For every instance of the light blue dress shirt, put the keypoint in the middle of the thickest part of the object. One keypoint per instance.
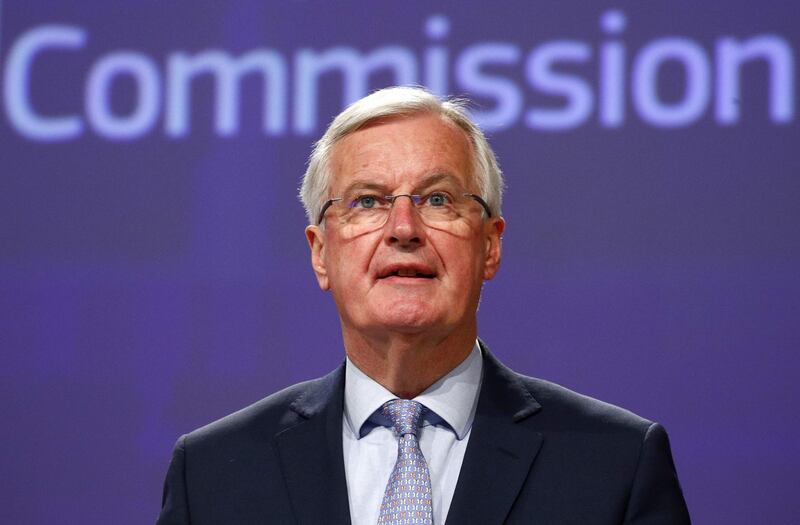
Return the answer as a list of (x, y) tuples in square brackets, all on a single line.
[(370, 450)]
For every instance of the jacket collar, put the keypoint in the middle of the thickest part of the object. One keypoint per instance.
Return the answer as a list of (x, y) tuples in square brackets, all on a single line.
[(501, 449), (310, 452)]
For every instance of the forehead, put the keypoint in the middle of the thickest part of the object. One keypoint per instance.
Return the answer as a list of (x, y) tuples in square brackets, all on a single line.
[(401, 152)]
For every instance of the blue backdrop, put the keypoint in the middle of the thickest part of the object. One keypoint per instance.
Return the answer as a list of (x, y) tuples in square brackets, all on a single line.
[(154, 275)]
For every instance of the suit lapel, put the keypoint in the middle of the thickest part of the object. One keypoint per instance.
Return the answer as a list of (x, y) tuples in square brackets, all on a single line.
[(501, 448), (311, 454)]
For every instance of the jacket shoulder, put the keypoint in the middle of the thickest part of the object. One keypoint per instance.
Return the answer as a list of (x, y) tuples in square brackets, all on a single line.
[(270, 415), (566, 409), (558, 408)]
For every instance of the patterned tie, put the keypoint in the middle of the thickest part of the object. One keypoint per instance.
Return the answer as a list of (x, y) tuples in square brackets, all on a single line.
[(408, 494)]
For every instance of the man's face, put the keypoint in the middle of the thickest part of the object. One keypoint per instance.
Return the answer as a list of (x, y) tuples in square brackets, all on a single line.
[(405, 276)]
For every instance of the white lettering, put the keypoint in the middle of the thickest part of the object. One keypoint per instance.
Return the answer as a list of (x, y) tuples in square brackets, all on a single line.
[(504, 91), (98, 95), (645, 82), (436, 57), (227, 73), (730, 56), (356, 69), (611, 91), (539, 70), (496, 73), (16, 85)]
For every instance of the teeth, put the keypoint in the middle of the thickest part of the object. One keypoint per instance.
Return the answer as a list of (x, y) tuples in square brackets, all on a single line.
[(407, 273)]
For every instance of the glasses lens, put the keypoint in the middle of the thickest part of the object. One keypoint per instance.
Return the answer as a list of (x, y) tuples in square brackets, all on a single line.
[(369, 209), (364, 208)]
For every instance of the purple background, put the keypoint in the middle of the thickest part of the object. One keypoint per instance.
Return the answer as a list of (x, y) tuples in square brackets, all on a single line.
[(153, 283)]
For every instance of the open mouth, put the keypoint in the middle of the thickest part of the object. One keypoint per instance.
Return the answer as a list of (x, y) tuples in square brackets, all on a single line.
[(413, 273)]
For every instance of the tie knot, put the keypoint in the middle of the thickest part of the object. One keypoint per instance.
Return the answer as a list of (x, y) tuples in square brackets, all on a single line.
[(404, 415)]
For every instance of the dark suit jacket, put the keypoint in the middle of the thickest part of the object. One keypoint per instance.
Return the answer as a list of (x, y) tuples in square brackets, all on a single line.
[(538, 453)]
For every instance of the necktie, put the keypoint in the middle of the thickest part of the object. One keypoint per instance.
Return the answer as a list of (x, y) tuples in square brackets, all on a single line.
[(407, 499)]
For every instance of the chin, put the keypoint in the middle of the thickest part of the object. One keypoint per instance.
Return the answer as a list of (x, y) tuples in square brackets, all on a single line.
[(408, 316)]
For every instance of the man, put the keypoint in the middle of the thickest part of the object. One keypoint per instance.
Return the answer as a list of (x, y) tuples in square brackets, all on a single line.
[(421, 424)]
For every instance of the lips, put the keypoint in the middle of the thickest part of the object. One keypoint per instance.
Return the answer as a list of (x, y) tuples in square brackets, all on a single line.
[(407, 271)]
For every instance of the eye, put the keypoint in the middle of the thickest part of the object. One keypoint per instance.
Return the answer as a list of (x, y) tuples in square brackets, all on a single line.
[(364, 201), (438, 199)]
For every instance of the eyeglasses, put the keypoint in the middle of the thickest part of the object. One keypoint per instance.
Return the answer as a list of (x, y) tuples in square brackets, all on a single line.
[(360, 208)]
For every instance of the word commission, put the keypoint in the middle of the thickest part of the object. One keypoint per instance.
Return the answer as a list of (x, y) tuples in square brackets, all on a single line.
[(574, 82)]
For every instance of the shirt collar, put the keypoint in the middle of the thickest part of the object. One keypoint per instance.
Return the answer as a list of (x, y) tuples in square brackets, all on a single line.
[(452, 398)]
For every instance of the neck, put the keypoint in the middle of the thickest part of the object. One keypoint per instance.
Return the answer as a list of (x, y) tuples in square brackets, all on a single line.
[(407, 364)]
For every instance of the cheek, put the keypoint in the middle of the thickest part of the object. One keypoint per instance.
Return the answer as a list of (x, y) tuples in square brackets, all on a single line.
[(463, 260), (347, 262), (333, 262)]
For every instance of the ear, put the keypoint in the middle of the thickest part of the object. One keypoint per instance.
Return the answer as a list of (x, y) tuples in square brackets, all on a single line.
[(494, 229), (316, 241)]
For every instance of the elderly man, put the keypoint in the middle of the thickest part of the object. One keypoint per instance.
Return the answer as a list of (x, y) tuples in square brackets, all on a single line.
[(421, 423)]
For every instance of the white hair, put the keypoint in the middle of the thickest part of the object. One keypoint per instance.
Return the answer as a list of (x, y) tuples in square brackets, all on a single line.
[(390, 102)]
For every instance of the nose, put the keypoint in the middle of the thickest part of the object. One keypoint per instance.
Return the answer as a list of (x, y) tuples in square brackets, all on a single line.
[(404, 226)]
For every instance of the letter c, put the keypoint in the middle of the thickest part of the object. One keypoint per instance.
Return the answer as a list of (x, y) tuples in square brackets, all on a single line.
[(16, 92)]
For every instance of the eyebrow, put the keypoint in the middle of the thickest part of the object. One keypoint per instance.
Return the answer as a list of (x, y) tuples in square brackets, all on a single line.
[(436, 178), (426, 182), (363, 185)]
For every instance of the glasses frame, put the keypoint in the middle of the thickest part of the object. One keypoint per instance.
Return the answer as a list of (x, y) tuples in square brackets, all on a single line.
[(415, 199)]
